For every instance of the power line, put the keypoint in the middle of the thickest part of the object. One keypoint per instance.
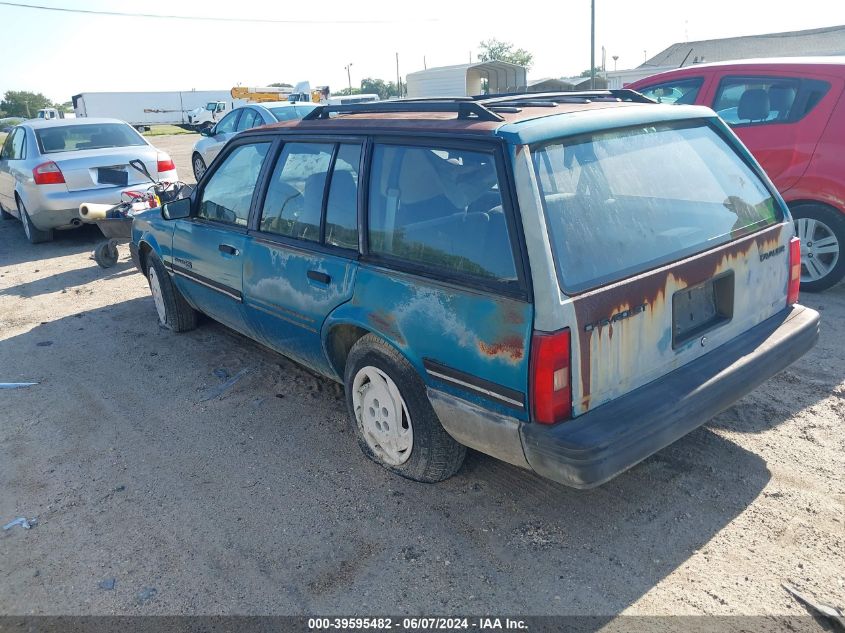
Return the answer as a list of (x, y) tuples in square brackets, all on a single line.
[(21, 5)]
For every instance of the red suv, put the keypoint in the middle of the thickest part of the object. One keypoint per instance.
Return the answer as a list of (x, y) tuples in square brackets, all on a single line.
[(791, 114)]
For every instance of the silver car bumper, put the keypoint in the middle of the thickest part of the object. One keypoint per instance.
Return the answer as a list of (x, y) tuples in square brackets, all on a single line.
[(54, 207)]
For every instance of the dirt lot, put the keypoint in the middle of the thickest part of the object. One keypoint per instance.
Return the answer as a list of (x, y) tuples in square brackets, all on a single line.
[(259, 501)]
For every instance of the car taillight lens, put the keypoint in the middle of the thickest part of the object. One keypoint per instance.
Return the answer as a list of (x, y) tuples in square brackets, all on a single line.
[(794, 271), (48, 174), (551, 388), (165, 163)]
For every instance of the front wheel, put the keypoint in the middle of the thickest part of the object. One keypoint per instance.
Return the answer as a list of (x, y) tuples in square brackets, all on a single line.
[(173, 310), (199, 166), (392, 417), (821, 231)]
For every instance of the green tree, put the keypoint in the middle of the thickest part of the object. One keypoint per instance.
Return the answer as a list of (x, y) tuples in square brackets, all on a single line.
[(384, 89), (586, 73), (493, 49), (67, 106), (345, 92), (280, 85), (24, 104)]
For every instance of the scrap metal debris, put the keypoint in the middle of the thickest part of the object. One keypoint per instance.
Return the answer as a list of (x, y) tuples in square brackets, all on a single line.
[(218, 391), (107, 584), (832, 613), (16, 385), (22, 521)]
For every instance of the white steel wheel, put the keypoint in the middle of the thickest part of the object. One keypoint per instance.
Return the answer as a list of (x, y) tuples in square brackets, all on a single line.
[(158, 297), (382, 416), (819, 248)]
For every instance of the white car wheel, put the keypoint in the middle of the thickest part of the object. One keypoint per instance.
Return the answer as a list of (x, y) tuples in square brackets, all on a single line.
[(382, 416), (158, 297)]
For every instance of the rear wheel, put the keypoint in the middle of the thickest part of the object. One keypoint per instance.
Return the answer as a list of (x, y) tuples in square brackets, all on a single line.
[(199, 166), (33, 234), (173, 310), (392, 417), (821, 231)]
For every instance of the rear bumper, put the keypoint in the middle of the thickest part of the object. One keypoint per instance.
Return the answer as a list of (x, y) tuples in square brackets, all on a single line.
[(598, 445)]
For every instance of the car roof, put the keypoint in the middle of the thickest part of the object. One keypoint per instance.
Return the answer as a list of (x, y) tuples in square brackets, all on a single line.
[(36, 124), (518, 119), (824, 65)]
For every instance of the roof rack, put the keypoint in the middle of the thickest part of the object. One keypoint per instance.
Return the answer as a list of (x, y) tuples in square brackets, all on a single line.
[(466, 109)]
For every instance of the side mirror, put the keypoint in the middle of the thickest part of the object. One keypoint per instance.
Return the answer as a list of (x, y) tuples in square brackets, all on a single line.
[(206, 131), (176, 210)]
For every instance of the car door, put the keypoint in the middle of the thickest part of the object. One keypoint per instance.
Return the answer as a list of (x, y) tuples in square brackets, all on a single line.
[(442, 275), (11, 157), (209, 247), (776, 118), (302, 255), (221, 133)]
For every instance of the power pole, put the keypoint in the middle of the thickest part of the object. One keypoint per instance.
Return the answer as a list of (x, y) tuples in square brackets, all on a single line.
[(592, 44), (349, 76), (398, 80)]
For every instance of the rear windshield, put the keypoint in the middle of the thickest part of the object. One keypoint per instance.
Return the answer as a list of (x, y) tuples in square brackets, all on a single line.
[(69, 138), (622, 202)]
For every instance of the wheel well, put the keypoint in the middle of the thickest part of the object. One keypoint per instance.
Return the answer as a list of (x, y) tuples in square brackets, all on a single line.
[(144, 250), (794, 204), (341, 338)]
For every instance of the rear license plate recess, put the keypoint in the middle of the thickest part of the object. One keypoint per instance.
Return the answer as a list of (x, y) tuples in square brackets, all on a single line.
[(701, 308)]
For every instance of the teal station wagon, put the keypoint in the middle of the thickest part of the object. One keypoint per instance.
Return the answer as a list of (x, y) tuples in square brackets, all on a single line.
[(568, 282)]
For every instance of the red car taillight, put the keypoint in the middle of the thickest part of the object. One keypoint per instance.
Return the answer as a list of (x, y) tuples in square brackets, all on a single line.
[(48, 174), (165, 163), (794, 271), (551, 388)]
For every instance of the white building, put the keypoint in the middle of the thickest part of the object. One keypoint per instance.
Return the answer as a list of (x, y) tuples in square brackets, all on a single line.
[(464, 80)]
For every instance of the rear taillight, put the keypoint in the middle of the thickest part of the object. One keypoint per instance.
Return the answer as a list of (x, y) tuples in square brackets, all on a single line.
[(794, 271), (551, 388), (165, 163), (48, 174)]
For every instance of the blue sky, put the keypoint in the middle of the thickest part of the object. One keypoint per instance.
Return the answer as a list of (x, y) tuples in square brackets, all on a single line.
[(61, 54)]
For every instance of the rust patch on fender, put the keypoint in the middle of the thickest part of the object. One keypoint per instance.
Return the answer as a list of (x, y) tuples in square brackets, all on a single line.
[(386, 323), (510, 347)]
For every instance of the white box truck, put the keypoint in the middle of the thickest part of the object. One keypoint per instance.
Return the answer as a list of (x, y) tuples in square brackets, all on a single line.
[(143, 109)]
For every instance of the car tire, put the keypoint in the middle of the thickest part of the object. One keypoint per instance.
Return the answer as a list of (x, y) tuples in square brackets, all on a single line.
[(33, 234), (391, 416), (173, 310), (821, 230), (199, 166)]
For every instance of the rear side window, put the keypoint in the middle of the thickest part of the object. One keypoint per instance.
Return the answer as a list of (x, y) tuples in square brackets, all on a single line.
[(227, 195), (294, 202), (439, 208), (678, 92), (69, 138), (622, 202), (15, 147), (766, 100), (342, 204)]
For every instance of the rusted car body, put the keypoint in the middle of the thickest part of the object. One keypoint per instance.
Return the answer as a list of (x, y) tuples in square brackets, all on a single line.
[(604, 275)]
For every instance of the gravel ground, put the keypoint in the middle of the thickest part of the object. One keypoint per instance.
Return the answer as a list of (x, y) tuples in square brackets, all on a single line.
[(259, 501)]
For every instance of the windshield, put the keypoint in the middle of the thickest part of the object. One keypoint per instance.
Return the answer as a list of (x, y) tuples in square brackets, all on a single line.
[(68, 138), (211, 106), (622, 202)]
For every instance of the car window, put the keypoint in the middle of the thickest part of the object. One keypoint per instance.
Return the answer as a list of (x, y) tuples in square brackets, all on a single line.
[(285, 113), (227, 123), (248, 120), (294, 202), (680, 91), (14, 148), (342, 203), (621, 202), (69, 138), (227, 195), (441, 208), (756, 100)]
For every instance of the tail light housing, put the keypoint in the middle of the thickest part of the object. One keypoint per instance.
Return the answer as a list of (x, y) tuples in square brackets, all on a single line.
[(48, 174), (551, 377), (165, 163), (794, 285)]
